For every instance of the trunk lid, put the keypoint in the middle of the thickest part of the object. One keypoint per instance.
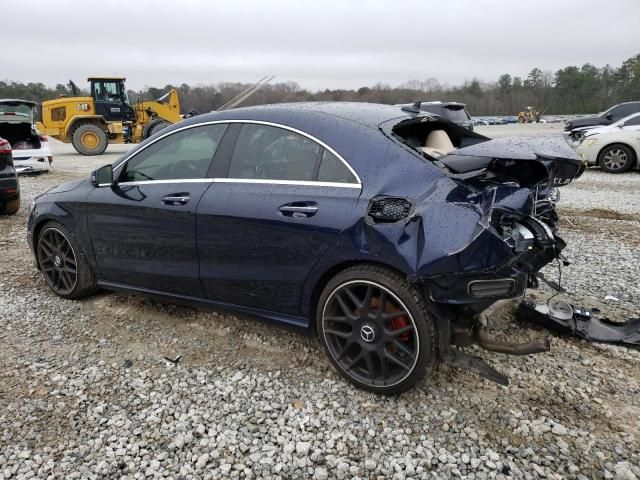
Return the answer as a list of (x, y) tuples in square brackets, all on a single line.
[(527, 160)]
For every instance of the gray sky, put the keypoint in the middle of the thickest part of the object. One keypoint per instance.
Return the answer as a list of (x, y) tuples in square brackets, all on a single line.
[(319, 44)]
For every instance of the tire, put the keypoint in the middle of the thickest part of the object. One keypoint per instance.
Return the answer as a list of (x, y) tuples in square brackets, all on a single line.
[(616, 158), (382, 355), (54, 261), (11, 207), (89, 139), (154, 126)]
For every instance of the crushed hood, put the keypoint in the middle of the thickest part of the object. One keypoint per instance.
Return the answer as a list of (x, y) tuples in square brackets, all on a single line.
[(527, 160)]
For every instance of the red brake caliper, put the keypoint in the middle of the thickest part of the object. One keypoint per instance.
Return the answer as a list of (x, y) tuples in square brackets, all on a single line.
[(396, 323)]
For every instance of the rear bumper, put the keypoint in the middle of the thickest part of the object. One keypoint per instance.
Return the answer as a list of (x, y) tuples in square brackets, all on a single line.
[(31, 161)]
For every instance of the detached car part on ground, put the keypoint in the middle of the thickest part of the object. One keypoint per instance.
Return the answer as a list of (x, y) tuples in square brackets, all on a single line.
[(9, 187), (31, 151), (385, 233)]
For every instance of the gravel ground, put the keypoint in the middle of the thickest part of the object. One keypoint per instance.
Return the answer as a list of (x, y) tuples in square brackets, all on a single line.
[(85, 392)]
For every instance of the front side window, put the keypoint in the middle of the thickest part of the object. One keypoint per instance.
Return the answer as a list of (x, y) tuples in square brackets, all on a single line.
[(271, 153), (632, 121), (186, 154)]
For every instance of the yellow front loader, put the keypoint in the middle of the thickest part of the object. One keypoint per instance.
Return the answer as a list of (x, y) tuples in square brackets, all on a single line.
[(107, 116)]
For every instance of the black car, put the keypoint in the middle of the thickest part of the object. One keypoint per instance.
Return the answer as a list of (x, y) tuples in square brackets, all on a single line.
[(9, 187), (614, 114), (452, 111), (384, 234)]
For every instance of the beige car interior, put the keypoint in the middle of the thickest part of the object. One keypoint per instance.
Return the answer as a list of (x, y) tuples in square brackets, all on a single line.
[(437, 144)]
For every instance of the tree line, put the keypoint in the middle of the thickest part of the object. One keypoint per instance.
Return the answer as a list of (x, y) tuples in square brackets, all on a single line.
[(570, 90)]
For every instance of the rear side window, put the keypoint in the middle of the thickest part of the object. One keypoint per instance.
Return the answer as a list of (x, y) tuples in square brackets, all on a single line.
[(333, 170), (271, 153), (186, 154)]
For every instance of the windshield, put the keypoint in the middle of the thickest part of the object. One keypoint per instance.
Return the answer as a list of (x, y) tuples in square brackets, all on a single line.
[(457, 113)]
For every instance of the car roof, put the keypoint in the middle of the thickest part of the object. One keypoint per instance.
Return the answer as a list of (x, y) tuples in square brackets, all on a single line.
[(369, 115), (16, 101)]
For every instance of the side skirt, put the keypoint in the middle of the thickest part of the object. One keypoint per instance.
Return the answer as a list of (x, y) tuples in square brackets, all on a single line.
[(280, 319)]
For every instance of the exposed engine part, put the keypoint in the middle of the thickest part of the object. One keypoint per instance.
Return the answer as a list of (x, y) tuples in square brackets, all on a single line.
[(522, 238)]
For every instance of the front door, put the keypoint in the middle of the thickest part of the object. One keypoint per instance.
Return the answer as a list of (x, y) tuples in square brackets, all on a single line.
[(261, 230), (143, 229)]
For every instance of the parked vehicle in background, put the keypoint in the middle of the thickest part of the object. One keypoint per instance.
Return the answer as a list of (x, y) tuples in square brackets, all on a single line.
[(453, 111), (615, 113), (31, 151), (631, 122), (615, 151), (510, 119), (480, 121), (9, 187), (380, 232)]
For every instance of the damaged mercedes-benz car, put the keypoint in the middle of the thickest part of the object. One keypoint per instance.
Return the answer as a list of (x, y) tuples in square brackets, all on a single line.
[(385, 231)]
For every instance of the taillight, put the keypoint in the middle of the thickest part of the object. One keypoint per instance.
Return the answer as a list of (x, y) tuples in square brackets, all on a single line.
[(5, 147), (43, 138)]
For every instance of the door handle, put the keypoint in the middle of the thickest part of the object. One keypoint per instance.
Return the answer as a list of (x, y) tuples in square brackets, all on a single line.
[(299, 209), (176, 199)]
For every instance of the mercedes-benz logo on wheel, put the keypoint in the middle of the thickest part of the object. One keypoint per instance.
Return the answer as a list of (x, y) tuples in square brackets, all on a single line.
[(367, 333)]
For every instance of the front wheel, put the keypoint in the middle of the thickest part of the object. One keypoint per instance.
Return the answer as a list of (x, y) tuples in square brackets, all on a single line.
[(376, 329), (616, 158), (62, 264)]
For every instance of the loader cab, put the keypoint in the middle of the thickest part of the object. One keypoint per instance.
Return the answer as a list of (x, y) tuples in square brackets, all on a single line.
[(110, 99)]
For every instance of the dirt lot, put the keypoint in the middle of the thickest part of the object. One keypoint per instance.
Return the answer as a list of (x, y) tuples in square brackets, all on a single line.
[(85, 392)]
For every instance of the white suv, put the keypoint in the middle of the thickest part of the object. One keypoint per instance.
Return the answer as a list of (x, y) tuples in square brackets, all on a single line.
[(31, 151)]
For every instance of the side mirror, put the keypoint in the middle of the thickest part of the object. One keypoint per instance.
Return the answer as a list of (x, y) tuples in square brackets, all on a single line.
[(102, 177), (621, 125), (609, 116)]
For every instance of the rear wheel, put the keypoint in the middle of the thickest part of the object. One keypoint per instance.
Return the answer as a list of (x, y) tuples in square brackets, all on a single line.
[(62, 264), (617, 158), (89, 139), (11, 207), (376, 329)]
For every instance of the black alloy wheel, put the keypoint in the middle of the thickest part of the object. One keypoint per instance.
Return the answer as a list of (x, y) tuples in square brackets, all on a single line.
[(62, 264), (57, 261), (373, 337)]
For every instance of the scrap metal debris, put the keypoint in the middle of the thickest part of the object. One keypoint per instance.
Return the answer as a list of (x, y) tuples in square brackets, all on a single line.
[(582, 322), (174, 361)]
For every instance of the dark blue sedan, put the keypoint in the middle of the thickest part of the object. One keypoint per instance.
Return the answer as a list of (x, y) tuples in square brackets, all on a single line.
[(384, 231)]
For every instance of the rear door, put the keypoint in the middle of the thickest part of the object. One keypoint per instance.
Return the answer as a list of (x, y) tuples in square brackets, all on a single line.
[(280, 208), (143, 230)]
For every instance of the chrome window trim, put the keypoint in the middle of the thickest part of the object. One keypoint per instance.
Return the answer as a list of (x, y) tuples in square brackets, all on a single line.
[(243, 180), (254, 122)]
